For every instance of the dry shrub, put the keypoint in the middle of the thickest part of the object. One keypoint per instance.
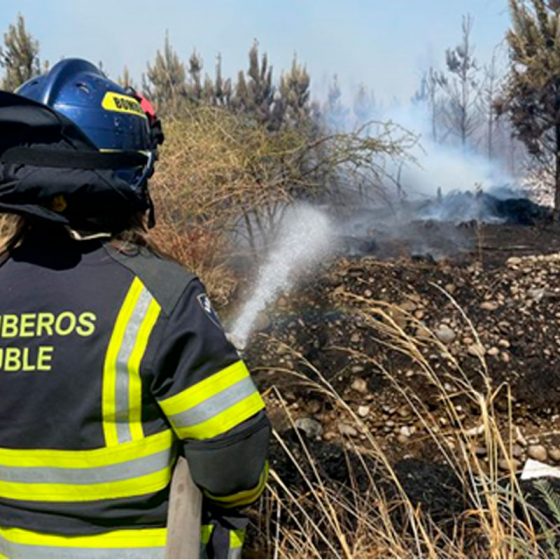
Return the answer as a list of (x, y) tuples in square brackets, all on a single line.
[(218, 168), (202, 252), (221, 180), (224, 182), (319, 517), (11, 230)]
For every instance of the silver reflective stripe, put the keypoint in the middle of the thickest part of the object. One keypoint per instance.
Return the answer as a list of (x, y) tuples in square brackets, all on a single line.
[(109, 473), (214, 405), (15, 550), (122, 405), (234, 553)]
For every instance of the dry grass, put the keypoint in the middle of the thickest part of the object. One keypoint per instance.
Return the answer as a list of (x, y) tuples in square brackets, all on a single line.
[(325, 520)]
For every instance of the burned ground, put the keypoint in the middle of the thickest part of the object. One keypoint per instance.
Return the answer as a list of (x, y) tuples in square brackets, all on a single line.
[(512, 297), (508, 287)]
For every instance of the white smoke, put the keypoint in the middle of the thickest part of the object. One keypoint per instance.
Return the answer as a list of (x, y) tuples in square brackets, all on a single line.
[(306, 237), (442, 167), (444, 183)]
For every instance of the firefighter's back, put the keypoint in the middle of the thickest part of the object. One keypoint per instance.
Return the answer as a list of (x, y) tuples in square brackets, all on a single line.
[(111, 361), (85, 453)]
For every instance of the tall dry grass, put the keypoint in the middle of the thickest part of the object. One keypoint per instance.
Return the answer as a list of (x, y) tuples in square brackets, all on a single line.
[(321, 518)]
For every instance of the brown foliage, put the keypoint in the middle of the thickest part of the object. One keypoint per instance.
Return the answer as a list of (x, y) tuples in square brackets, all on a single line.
[(225, 180)]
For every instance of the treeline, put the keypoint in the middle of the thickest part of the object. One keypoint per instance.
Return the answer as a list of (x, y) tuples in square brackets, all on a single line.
[(503, 108), (460, 100), (172, 84)]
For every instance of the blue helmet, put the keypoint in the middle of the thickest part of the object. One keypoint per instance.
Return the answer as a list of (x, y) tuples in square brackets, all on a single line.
[(112, 119)]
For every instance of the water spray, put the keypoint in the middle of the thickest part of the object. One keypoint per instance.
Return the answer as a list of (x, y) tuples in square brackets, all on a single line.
[(306, 236)]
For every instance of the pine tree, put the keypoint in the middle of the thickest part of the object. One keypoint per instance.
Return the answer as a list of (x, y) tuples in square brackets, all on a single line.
[(222, 88), (241, 101), (293, 107), (165, 80), (532, 93), (255, 93), (428, 94), (461, 87), (194, 88), (125, 79), (260, 83), (19, 56), (364, 105), (335, 113)]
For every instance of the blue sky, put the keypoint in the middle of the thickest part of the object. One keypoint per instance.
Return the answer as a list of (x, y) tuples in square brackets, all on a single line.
[(384, 44)]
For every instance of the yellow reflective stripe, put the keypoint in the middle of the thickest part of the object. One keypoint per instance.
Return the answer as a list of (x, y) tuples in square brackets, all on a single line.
[(135, 381), (214, 405), (110, 367), (246, 496), (236, 538), (206, 533), (91, 458), (204, 389), (128, 538), (224, 421), (86, 492)]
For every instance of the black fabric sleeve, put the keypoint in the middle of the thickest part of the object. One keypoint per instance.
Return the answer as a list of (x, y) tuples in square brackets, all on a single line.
[(231, 468), (210, 400), (192, 345)]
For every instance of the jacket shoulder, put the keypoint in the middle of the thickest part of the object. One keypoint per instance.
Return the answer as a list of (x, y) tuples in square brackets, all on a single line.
[(166, 280)]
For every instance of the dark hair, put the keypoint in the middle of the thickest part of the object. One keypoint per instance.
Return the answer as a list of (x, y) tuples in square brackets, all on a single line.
[(136, 234)]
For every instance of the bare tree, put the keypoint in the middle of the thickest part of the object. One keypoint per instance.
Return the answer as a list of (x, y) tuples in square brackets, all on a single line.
[(491, 87), (430, 86)]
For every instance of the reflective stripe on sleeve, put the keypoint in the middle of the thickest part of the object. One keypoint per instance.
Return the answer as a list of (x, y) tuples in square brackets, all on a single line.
[(122, 386), (132, 469), (137, 543), (244, 497), (236, 539), (214, 405), (205, 534)]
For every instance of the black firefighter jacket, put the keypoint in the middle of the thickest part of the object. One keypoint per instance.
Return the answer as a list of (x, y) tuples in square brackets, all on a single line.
[(111, 364)]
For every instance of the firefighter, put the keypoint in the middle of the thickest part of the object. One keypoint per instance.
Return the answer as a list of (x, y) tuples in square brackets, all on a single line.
[(112, 359)]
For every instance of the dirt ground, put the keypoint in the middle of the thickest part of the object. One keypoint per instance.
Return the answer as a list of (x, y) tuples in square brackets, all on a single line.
[(505, 280)]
